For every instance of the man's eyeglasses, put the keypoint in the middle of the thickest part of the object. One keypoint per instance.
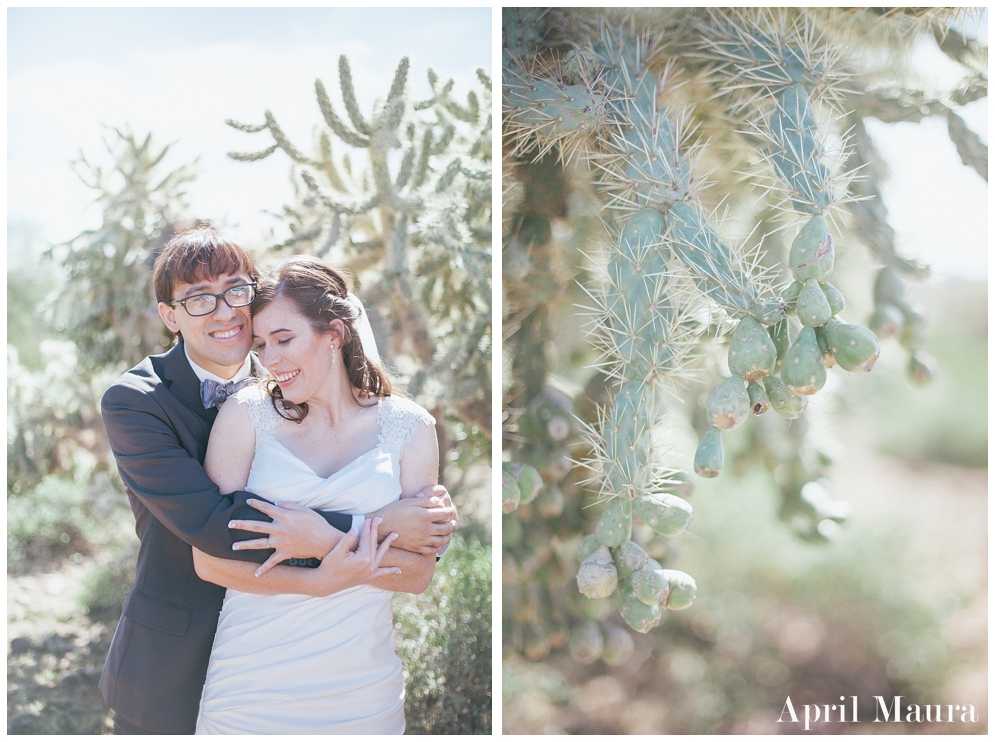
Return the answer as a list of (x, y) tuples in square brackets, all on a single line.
[(201, 304)]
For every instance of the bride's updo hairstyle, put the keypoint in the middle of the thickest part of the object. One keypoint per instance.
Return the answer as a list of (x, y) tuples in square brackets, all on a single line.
[(319, 293)]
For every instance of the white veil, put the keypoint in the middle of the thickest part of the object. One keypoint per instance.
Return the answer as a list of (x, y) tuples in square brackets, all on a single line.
[(366, 338)]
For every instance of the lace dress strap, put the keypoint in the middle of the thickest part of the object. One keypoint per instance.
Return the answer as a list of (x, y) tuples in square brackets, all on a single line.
[(262, 416), (398, 418)]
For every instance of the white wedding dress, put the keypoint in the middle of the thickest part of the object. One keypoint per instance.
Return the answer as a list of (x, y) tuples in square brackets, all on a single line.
[(293, 664)]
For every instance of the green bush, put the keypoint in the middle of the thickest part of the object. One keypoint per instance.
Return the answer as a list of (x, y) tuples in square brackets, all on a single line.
[(52, 522), (444, 640)]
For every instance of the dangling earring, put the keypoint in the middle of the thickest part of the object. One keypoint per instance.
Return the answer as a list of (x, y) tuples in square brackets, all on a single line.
[(333, 353)]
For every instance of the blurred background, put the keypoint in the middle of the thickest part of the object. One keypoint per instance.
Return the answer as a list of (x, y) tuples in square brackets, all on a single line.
[(891, 603), (118, 139)]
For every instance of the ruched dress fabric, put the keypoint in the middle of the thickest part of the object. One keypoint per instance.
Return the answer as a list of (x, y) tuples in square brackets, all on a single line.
[(294, 664)]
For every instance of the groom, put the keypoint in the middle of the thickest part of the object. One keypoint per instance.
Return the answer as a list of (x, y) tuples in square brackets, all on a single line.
[(158, 418)]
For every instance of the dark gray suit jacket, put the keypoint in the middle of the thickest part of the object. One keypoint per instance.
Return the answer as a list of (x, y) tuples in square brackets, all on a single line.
[(158, 430)]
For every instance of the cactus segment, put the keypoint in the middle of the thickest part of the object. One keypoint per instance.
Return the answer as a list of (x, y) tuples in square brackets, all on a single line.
[(615, 524), (782, 340), (587, 546), (666, 514), (854, 347), (529, 483), (710, 457), (697, 246), (813, 307), (626, 434), (752, 354), (553, 109), (634, 268), (511, 494), (586, 643), (629, 557), (812, 254), (637, 614), (682, 590), (511, 532), (797, 153), (784, 403), (835, 298), (650, 586), (759, 401), (886, 321), (550, 502), (597, 576), (654, 171), (889, 288), (728, 404), (803, 370), (790, 297)]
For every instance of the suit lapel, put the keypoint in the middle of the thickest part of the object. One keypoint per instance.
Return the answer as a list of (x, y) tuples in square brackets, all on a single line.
[(184, 384)]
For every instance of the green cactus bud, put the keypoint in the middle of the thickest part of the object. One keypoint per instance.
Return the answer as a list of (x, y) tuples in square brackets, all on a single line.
[(629, 557), (790, 297), (835, 298), (597, 576), (854, 347), (759, 401), (529, 483), (728, 404), (586, 643), (666, 514), (913, 328), (709, 457), (803, 371), (782, 339), (889, 288), (752, 354), (813, 307), (682, 590), (536, 646), (587, 546), (550, 502), (615, 523), (511, 531), (768, 311), (619, 646), (886, 321), (637, 614), (784, 403), (812, 254), (828, 359), (650, 587), (920, 367), (511, 494)]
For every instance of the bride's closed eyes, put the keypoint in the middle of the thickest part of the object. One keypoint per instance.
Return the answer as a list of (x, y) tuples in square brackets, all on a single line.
[(260, 345)]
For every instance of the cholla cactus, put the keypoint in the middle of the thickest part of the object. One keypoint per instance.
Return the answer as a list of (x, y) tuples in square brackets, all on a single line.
[(414, 232), (591, 102)]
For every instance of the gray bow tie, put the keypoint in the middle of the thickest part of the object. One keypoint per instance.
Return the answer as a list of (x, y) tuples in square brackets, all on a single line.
[(214, 393)]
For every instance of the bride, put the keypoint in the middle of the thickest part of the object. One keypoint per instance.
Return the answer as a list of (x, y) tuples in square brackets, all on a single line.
[(323, 432)]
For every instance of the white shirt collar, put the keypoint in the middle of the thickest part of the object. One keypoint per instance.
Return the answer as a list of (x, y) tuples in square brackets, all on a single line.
[(243, 373)]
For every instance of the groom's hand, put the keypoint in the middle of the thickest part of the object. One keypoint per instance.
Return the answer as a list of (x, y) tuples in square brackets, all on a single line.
[(424, 524)]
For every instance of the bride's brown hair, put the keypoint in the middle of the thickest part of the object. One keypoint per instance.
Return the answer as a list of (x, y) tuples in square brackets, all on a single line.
[(318, 291)]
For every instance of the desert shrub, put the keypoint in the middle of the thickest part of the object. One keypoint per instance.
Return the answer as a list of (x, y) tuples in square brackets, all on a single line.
[(443, 637)]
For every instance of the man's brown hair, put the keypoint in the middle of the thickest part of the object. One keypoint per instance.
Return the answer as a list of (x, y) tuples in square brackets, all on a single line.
[(197, 255)]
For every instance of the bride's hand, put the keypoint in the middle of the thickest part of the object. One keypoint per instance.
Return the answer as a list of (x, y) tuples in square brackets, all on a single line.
[(296, 531), (344, 567)]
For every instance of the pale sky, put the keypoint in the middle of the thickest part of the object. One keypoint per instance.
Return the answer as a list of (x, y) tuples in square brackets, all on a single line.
[(180, 73)]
